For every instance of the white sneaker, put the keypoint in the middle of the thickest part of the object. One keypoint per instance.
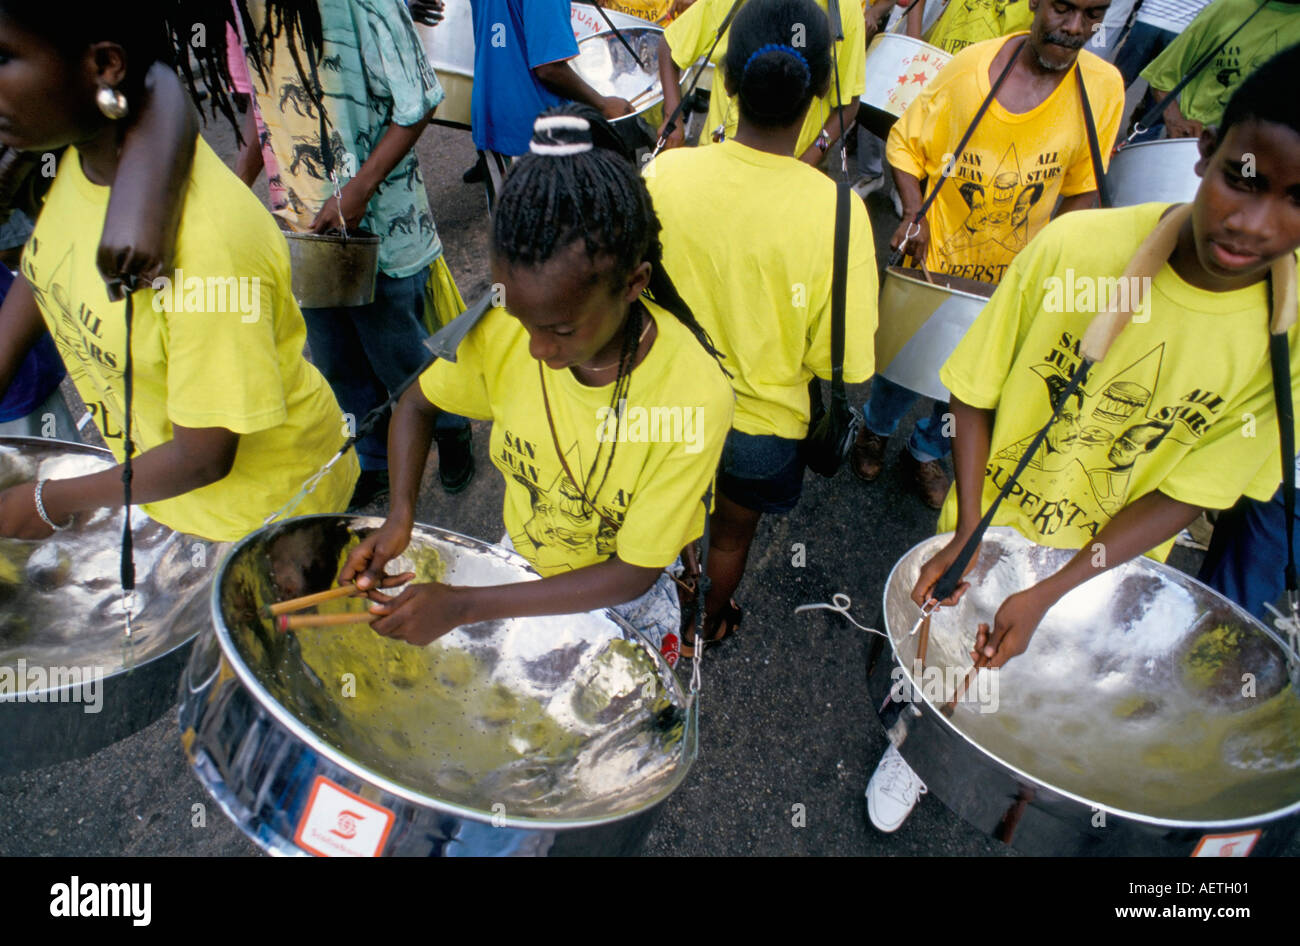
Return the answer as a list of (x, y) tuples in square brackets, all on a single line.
[(893, 792)]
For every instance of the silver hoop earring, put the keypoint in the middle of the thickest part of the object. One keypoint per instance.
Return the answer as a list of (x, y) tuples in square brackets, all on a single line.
[(111, 102)]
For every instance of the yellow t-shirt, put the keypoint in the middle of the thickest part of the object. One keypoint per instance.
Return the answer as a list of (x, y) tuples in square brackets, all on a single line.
[(748, 241), (667, 444), (219, 345), (653, 11), (1005, 185), (691, 34), (966, 22), (1182, 403)]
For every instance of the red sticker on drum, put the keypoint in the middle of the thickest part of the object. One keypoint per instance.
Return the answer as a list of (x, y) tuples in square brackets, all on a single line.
[(338, 823), (1226, 845)]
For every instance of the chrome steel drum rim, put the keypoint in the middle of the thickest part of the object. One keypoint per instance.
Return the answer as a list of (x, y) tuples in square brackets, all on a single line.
[(230, 655), (936, 542), (905, 274), (1185, 143), (608, 38), (147, 647)]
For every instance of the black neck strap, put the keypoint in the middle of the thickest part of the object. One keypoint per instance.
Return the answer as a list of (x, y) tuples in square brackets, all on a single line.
[(1094, 146), (897, 256), (1154, 112), (1279, 355)]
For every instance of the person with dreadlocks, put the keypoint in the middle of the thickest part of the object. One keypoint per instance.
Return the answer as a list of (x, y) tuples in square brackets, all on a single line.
[(608, 409), (758, 275), (833, 110), (1178, 417), (137, 243), (201, 375), (362, 62)]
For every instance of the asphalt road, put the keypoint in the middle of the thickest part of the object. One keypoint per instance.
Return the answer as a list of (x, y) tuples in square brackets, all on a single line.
[(786, 718)]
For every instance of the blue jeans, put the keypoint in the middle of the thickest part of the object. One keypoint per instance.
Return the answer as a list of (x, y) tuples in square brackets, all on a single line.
[(1248, 553), (367, 351), (885, 407), (871, 154)]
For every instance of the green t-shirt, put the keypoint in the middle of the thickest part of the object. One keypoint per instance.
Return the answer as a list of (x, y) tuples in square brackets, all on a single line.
[(1206, 96)]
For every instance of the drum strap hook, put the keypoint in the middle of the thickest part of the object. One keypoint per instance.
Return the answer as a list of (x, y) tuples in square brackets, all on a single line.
[(1153, 114)]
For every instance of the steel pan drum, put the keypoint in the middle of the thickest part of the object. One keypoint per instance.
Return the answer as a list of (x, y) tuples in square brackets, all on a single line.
[(1162, 171), (1150, 715), (526, 736), (921, 324), (898, 68), (609, 68), (69, 684), (450, 49), (329, 271)]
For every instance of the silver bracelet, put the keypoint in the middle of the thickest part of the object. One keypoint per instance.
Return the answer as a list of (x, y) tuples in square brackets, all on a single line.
[(40, 509)]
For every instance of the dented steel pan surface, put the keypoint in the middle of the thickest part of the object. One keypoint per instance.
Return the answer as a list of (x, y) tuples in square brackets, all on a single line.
[(450, 49), (607, 66), (1149, 715), (70, 683), (523, 736)]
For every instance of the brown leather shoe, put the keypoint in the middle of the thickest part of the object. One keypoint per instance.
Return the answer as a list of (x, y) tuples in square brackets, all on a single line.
[(930, 479), (868, 455)]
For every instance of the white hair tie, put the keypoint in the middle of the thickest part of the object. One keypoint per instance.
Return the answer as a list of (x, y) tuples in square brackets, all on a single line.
[(546, 125), (559, 151)]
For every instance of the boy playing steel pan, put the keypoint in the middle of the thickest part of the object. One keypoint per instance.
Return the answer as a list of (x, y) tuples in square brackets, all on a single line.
[(1178, 417)]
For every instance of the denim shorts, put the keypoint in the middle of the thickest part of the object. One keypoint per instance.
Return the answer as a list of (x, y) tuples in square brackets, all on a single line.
[(762, 472)]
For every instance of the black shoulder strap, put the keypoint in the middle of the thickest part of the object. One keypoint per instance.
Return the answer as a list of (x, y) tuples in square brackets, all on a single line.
[(839, 287), (1094, 146), (1154, 112), (897, 255), (1279, 355)]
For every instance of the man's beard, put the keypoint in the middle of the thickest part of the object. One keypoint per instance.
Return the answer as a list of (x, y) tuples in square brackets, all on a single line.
[(1058, 40), (1052, 66)]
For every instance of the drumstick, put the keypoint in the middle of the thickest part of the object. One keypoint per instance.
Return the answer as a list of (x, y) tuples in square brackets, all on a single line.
[(923, 642), (306, 601), (926, 273), (951, 706), (293, 622)]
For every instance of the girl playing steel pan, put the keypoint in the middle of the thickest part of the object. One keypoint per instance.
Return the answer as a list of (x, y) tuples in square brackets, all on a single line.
[(748, 233), (1177, 417), (609, 410), (227, 417)]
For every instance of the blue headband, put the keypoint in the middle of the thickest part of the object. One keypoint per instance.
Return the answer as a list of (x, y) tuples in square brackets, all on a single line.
[(779, 48)]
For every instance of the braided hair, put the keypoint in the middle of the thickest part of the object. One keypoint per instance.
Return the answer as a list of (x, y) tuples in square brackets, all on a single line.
[(297, 21), (578, 183)]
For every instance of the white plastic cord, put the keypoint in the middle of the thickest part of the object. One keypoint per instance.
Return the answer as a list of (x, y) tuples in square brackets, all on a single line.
[(841, 604)]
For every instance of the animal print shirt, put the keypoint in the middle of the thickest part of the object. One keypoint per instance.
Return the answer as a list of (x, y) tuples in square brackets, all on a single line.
[(373, 72)]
